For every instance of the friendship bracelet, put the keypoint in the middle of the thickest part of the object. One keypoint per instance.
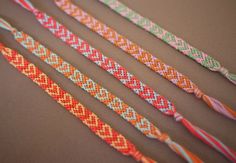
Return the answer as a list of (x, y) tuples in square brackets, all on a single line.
[(100, 93), (143, 56), (91, 120), (61, 32), (179, 44)]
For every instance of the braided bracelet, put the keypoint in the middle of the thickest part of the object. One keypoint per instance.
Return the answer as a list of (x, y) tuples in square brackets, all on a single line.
[(143, 56), (61, 32), (179, 44), (100, 93), (95, 124)]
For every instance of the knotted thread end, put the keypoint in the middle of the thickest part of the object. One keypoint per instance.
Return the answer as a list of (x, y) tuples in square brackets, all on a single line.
[(225, 72), (140, 157), (27, 5), (178, 117), (198, 93)]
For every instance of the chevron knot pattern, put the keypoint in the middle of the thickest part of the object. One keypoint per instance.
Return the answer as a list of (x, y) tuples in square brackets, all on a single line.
[(109, 65), (147, 58), (56, 28), (96, 125), (179, 44), (100, 93), (125, 44)]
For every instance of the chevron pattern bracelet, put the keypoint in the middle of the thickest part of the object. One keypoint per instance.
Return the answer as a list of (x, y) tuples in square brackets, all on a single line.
[(100, 93), (91, 120), (143, 56), (169, 38), (61, 32)]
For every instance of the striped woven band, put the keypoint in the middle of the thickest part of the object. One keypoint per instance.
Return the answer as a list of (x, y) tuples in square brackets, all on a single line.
[(128, 79), (91, 120), (169, 38)]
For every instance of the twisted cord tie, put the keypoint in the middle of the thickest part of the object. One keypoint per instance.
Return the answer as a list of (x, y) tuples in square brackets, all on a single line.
[(179, 150), (178, 117), (165, 138), (216, 104), (210, 140), (5, 25), (206, 137), (198, 93), (27, 5), (223, 71), (219, 107), (135, 50), (227, 74)]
